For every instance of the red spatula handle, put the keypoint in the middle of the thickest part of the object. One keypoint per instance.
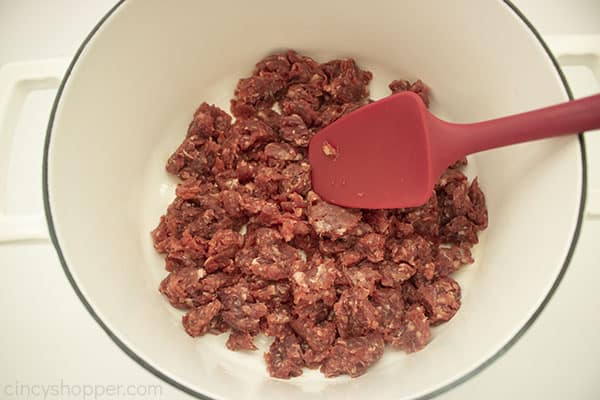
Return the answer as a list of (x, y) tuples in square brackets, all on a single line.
[(562, 119)]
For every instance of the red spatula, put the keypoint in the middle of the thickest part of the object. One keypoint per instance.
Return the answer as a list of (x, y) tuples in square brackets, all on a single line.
[(390, 153)]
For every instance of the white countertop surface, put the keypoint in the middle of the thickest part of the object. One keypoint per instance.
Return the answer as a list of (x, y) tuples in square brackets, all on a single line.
[(48, 338)]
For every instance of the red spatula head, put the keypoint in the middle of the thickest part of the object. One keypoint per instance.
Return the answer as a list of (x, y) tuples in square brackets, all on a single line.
[(389, 154), (375, 157)]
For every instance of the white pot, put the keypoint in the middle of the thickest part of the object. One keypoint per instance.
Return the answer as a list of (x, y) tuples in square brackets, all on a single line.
[(124, 106)]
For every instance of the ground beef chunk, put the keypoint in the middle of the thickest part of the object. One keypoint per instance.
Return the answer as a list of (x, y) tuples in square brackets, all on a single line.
[(329, 150), (252, 133), (232, 203), (250, 249), (295, 179), (455, 200), (213, 282), (361, 229), (331, 221), (380, 220), (284, 358), (441, 299), (316, 283), (235, 296), (218, 326), (277, 322), (313, 359), (293, 129), (332, 247), (276, 261), (425, 220), (364, 276), (257, 92), (331, 112), (245, 318), (459, 163), (414, 250), (414, 333), (318, 336), (222, 248), (354, 314), (389, 304), (209, 121), (305, 69), (314, 313), (451, 175), (450, 259), (352, 356), (478, 214), (186, 251), (280, 151), (193, 158), (305, 92), (292, 226), (276, 63), (372, 245), (197, 320), (183, 288), (301, 108), (460, 230), (347, 83), (240, 341), (394, 274), (350, 257), (275, 293), (417, 87), (401, 229)]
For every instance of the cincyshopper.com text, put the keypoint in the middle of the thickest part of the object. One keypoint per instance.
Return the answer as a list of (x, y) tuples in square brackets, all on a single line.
[(65, 390)]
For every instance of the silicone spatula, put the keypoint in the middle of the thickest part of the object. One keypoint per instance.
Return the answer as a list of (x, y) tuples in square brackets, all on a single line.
[(390, 153)]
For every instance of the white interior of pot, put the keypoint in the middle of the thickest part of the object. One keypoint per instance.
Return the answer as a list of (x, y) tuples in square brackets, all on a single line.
[(129, 99)]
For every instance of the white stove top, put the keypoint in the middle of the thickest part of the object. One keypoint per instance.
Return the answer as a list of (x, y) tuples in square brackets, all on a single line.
[(51, 348)]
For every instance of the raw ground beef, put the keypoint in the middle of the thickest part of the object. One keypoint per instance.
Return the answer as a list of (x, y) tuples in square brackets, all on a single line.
[(251, 249)]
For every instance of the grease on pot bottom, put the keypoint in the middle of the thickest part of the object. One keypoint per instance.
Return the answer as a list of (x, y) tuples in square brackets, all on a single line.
[(332, 286)]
